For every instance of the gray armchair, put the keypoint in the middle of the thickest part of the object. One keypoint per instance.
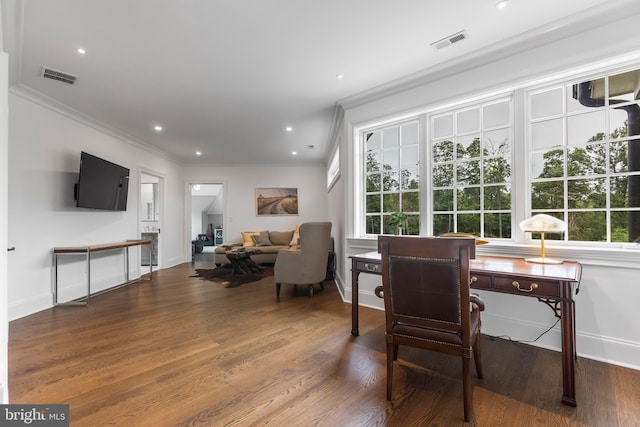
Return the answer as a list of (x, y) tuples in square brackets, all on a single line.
[(308, 264)]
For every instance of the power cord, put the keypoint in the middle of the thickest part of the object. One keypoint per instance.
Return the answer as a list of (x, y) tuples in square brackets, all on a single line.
[(508, 338)]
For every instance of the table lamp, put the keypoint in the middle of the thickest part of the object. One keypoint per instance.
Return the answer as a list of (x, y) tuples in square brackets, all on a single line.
[(543, 224)]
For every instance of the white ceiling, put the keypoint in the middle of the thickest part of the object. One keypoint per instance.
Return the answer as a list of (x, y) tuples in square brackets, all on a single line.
[(226, 77)]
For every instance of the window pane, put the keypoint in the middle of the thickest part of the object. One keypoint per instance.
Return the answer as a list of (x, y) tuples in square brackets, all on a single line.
[(373, 203), (411, 202), (584, 128), (409, 133), (468, 147), (442, 126), (588, 226), (413, 225), (373, 161), (389, 225), (618, 192), (469, 223), (591, 92), (497, 170), (468, 121), (497, 197), (468, 172), (443, 175), (589, 160), (372, 140), (443, 151), (391, 202), (618, 157), (410, 156), (391, 137), (546, 134), (497, 225), (495, 115), (373, 182), (546, 104), (469, 199), (496, 142), (410, 179), (623, 86), (547, 195), (372, 224), (618, 127), (587, 193), (391, 159), (620, 229), (442, 223), (443, 200), (547, 165), (390, 181)]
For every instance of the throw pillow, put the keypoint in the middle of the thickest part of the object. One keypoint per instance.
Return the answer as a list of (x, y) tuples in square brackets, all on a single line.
[(280, 238), (261, 240), (247, 237), (295, 240)]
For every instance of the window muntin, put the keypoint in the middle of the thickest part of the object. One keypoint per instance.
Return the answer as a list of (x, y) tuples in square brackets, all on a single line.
[(471, 170), (392, 178), (585, 156)]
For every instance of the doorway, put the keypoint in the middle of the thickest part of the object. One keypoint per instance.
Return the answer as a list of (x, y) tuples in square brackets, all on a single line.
[(150, 217)]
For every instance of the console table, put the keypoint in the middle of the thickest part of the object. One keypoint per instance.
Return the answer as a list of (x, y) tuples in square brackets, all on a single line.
[(87, 251), (551, 284)]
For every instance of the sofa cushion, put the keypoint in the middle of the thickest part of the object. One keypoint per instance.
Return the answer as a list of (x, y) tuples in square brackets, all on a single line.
[(247, 237), (281, 237), (261, 240)]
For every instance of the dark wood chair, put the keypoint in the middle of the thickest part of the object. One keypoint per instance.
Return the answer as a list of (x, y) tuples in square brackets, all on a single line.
[(425, 286)]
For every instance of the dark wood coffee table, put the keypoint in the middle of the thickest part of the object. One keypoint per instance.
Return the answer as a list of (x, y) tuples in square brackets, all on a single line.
[(241, 262)]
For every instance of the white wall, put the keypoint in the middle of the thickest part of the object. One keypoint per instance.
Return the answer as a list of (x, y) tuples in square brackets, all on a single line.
[(240, 182), (44, 153), (606, 307)]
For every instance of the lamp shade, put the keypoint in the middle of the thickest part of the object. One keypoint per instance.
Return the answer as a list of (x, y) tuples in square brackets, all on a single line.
[(542, 223)]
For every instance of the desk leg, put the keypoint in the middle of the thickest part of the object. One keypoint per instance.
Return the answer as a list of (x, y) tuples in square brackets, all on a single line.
[(354, 300), (568, 331)]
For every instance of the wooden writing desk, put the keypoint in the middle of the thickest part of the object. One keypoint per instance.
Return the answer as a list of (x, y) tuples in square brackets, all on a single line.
[(550, 284), (87, 250)]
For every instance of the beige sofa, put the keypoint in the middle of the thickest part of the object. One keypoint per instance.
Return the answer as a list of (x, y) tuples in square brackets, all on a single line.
[(268, 242)]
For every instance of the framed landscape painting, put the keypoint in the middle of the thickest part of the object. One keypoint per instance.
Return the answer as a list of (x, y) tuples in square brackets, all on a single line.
[(276, 201)]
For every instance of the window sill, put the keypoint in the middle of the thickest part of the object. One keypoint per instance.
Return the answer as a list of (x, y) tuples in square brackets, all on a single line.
[(608, 257)]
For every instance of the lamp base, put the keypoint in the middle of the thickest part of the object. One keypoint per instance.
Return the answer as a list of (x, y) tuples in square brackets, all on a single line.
[(544, 260)]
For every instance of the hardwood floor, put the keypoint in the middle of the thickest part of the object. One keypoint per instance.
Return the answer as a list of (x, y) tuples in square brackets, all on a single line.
[(182, 351)]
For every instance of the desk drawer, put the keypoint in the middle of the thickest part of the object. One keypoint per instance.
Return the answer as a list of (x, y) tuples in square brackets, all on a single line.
[(479, 281), (369, 267), (528, 287)]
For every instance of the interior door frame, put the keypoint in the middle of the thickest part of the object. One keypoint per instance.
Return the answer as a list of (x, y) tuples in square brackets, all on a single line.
[(161, 197)]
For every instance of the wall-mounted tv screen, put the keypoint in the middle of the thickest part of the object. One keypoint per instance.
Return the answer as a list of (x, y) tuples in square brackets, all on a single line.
[(101, 184)]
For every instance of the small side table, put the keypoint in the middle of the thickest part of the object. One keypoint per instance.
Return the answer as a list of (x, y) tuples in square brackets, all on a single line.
[(241, 262)]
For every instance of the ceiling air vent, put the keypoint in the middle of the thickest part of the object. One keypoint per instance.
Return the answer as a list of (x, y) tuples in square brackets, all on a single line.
[(448, 41), (50, 73)]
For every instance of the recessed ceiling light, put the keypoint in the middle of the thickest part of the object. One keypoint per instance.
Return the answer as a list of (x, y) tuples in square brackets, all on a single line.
[(157, 128), (288, 128), (501, 4), (198, 153), (81, 51), (339, 76), (294, 153)]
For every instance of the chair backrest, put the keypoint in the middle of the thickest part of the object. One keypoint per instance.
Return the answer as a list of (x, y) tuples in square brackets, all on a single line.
[(426, 282), (315, 244)]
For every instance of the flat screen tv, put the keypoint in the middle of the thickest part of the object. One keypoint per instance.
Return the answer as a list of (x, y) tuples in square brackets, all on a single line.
[(101, 184)]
